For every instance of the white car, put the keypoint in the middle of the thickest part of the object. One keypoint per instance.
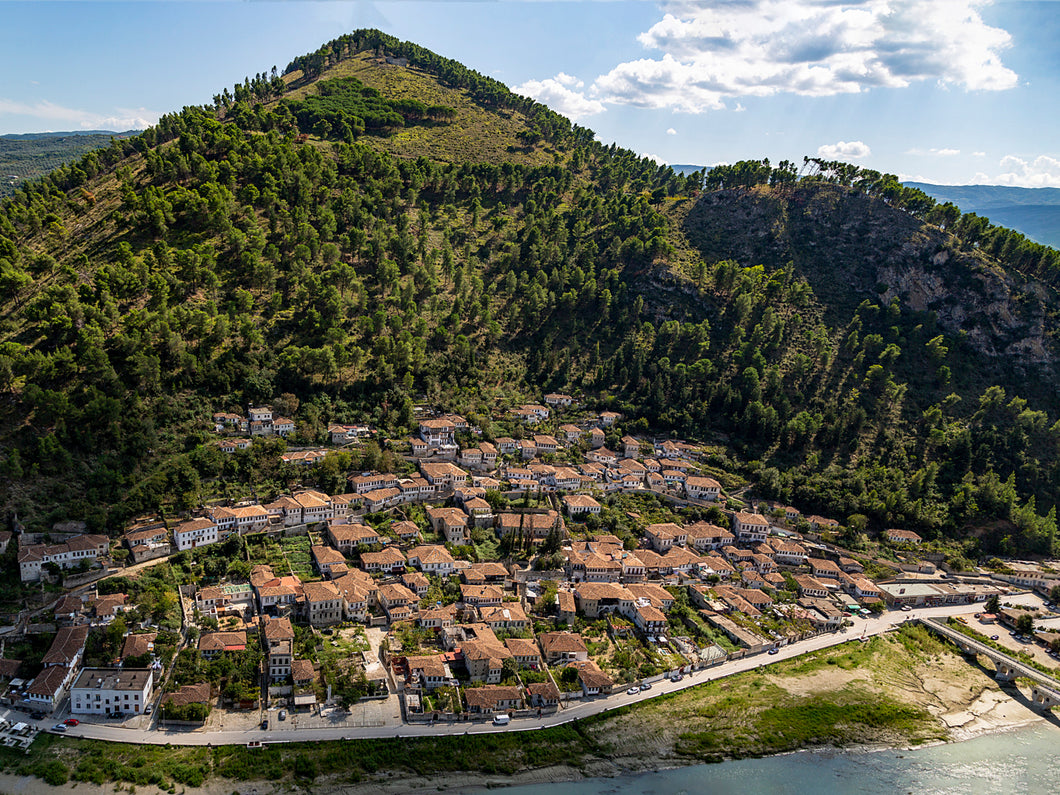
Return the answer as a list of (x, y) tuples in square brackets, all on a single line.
[(633, 691)]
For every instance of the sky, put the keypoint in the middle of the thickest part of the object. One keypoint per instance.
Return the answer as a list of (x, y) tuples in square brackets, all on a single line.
[(943, 91)]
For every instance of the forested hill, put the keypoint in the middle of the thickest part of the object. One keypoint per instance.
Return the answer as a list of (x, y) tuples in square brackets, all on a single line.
[(378, 224)]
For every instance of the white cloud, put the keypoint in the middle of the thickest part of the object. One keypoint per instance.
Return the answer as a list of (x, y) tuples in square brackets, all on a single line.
[(711, 52), (739, 108), (978, 154), (131, 119), (569, 81), (671, 131), (933, 152), (654, 158), (73, 118), (1042, 172), (562, 93), (850, 150)]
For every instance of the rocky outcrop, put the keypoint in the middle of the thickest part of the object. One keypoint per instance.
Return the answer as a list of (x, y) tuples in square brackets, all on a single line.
[(850, 247)]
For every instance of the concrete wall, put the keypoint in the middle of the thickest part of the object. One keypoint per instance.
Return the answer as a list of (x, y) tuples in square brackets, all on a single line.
[(73, 581)]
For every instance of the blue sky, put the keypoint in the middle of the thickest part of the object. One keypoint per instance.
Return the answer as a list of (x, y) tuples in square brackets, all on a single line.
[(948, 91)]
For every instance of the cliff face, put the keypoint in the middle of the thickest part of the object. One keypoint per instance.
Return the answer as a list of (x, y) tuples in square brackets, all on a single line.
[(851, 247), (998, 314)]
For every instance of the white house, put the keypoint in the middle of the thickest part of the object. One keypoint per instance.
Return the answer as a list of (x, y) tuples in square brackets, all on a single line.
[(750, 527), (697, 488), (111, 691), (65, 554), (195, 533)]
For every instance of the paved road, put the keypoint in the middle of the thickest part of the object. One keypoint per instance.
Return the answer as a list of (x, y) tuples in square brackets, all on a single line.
[(285, 732)]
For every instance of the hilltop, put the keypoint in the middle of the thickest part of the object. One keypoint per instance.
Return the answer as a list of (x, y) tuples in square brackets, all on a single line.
[(379, 226)]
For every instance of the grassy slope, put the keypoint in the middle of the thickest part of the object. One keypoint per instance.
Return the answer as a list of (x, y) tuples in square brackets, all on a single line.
[(476, 135), (848, 695)]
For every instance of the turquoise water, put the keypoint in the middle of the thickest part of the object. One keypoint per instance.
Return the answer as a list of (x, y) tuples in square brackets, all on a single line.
[(1022, 762)]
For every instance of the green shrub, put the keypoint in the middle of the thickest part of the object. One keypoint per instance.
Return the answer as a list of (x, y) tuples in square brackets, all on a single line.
[(51, 771)]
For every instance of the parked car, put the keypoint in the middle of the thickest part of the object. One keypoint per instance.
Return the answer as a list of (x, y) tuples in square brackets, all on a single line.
[(906, 609), (71, 721), (646, 686), (501, 720), (149, 709), (283, 714), (59, 727), (774, 650), (633, 691), (265, 723), (995, 637), (677, 677)]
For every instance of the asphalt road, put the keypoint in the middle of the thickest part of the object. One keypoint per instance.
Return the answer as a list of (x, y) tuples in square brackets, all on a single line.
[(284, 732)]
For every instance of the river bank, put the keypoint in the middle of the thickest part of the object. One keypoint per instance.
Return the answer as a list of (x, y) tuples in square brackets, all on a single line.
[(904, 689), (925, 693)]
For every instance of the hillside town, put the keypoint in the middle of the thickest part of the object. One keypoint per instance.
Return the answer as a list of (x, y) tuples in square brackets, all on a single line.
[(480, 580)]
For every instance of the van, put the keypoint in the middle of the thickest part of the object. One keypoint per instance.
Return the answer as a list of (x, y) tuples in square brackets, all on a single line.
[(501, 720)]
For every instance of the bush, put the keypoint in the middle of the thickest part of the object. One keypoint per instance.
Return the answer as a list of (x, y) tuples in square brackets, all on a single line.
[(190, 775), (51, 771), (305, 767), (88, 771), (187, 712)]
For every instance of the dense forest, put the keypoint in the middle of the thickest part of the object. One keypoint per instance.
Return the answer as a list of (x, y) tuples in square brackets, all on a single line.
[(289, 242)]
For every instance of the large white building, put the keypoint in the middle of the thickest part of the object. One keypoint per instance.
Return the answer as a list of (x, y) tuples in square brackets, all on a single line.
[(750, 528), (195, 533), (66, 555), (111, 691), (439, 434)]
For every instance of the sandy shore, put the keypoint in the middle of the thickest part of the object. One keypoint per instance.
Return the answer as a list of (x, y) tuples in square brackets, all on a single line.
[(994, 711)]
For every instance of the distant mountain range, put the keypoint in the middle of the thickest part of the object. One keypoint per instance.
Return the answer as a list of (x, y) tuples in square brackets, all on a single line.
[(26, 156), (1033, 211), (33, 136)]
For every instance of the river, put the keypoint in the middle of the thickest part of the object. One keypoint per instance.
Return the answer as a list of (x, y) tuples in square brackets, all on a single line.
[(1023, 761)]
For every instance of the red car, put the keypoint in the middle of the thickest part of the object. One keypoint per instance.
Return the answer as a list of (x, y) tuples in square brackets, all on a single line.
[(71, 721)]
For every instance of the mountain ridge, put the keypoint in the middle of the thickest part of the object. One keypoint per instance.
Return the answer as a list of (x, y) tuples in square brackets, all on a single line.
[(353, 257), (61, 134)]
